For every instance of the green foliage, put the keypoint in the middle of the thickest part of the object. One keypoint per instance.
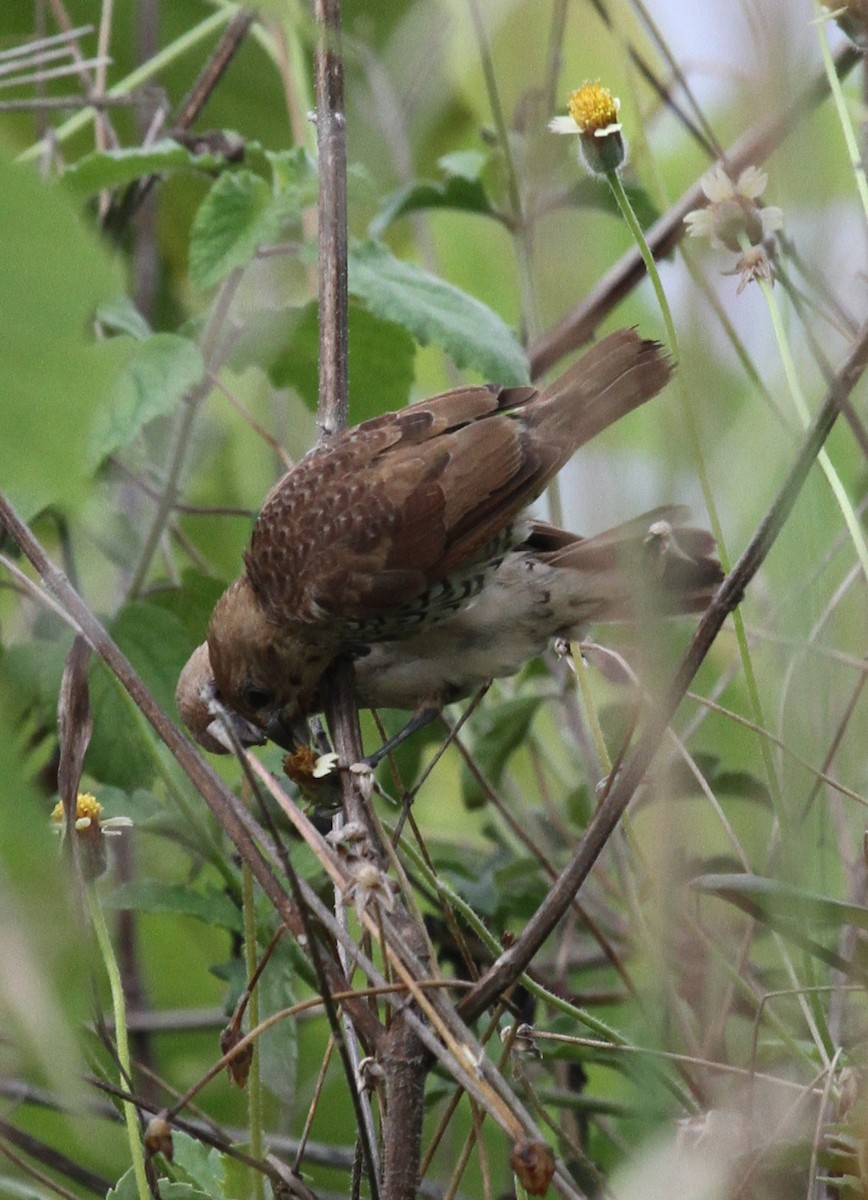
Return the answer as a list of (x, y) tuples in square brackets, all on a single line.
[(381, 356), (209, 905), (435, 311), (235, 219), (158, 373), (148, 385), (53, 379), (126, 164), (503, 728)]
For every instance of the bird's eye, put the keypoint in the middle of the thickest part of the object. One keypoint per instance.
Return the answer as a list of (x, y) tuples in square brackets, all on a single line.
[(256, 698)]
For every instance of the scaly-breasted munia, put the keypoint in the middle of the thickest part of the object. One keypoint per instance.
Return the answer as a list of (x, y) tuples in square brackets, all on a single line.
[(402, 543)]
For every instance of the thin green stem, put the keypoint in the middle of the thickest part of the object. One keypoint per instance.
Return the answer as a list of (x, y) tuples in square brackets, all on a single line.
[(520, 228), (153, 67), (850, 139), (791, 375), (121, 1040), (696, 448), (213, 350), (254, 1083), (591, 714)]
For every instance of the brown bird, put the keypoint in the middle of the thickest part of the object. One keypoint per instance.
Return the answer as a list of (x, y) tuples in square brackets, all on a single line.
[(402, 544)]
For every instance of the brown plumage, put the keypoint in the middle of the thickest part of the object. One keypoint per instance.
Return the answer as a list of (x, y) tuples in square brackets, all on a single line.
[(401, 542)]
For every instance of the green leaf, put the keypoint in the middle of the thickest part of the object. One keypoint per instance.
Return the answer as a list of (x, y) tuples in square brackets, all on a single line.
[(792, 911), (157, 645), (202, 1164), (53, 274), (465, 164), (236, 217), (211, 907), (122, 316), (157, 376), (15, 1189), (184, 1191), (456, 192), (773, 896), (114, 168), (126, 1188), (435, 311), (381, 356), (501, 729), (294, 175), (278, 1045), (191, 603)]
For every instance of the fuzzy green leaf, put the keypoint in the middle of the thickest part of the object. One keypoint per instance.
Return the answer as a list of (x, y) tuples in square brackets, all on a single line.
[(157, 645), (435, 311), (157, 375), (115, 168), (236, 217), (210, 907)]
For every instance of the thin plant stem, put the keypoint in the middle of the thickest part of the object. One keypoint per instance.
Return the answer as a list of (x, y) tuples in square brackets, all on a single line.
[(850, 139), (119, 1012), (254, 1083), (708, 495), (790, 373), (213, 349), (149, 70), (590, 707), (520, 227)]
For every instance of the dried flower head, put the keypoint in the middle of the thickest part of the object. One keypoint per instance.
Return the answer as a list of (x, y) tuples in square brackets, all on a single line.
[(593, 116), (752, 265), (370, 886), (91, 828), (315, 776), (732, 217)]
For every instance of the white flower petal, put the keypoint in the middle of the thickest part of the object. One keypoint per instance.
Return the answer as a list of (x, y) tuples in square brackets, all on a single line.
[(116, 823), (563, 125), (751, 183), (700, 223), (717, 185), (324, 765), (613, 128), (772, 218)]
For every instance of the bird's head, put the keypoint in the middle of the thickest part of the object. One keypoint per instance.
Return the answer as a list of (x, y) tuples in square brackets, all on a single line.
[(202, 711), (264, 675)]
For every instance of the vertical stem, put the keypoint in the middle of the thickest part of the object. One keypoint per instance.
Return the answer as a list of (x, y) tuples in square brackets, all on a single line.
[(331, 136), (254, 1091), (121, 1040)]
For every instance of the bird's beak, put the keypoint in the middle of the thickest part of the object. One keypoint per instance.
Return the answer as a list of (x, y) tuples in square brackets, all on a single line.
[(290, 736), (245, 732)]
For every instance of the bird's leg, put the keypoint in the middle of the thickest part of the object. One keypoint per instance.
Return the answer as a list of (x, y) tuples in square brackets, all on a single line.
[(423, 716)]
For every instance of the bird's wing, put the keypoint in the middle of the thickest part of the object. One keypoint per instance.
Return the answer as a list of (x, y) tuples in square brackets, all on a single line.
[(368, 522)]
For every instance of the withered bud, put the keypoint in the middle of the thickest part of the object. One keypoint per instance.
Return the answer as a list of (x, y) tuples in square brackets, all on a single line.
[(158, 1136), (534, 1166), (238, 1067)]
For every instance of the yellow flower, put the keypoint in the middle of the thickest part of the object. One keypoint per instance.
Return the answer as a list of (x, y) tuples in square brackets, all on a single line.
[(594, 116), (91, 829)]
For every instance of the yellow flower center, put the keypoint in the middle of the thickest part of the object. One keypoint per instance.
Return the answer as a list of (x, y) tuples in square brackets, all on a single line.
[(87, 807), (593, 107)]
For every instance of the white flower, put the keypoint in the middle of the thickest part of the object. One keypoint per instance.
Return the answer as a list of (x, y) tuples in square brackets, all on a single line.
[(732, 218)]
